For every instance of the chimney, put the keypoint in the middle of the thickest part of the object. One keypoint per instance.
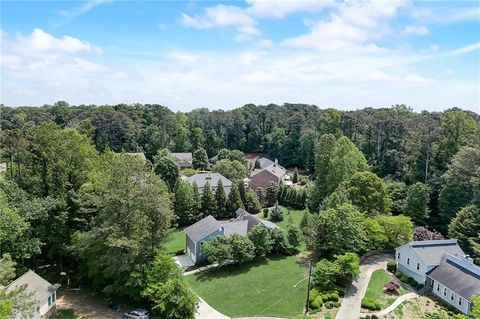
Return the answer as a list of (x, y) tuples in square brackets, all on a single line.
[(276, 162)]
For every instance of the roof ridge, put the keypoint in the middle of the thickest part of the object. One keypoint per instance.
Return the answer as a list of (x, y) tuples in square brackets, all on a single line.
[(29, 271)]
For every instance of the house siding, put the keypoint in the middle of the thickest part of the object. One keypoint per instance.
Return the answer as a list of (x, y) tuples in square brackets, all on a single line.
[(199, 258), (407, 264), (439, 291)]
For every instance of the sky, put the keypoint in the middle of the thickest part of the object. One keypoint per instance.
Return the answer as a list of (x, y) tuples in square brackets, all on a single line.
[(224, 54)]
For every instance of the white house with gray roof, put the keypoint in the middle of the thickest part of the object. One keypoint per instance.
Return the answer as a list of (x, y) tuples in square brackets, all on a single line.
[(184, 160), (455, 281), (201, 179), (209, 227), (42, 293), (444, 269)]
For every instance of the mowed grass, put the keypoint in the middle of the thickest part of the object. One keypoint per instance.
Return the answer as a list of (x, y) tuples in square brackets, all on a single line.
[(175, 242), (376, 286), (272, 287)]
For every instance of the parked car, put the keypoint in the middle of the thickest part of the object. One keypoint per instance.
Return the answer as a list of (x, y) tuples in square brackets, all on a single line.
[(137, 314)]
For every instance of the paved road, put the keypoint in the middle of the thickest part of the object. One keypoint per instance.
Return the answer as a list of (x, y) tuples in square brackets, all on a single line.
[(397, 303), (352, 302)]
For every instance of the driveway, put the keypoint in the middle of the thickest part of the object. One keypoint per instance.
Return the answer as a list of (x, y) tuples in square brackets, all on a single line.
[(85, 305), (205, 311), (352, 302)]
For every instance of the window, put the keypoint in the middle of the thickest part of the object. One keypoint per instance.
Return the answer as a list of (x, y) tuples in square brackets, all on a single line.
[(54, 296), (38, 309), (459, 301), (49, 301), (445, 291), (452, 297), (438, 287), (418, 266), (398, 256), (408, 261)]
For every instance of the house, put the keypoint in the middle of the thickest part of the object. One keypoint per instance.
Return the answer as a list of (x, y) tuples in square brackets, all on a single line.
[(209, 227), (184, 160), (444, 269), (201, 179), (140, 155), (455, 281), (264, 162), (44, 295), (416, 258), (263, 177)]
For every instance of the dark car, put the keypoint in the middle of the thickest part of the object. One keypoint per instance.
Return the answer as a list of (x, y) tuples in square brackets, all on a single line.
[(137, 314)]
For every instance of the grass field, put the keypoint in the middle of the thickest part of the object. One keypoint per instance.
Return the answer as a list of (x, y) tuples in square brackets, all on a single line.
[(265, 288), (375, 288), (176, 241)]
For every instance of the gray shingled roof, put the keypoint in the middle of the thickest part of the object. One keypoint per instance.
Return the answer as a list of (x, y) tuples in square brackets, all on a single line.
[(202, 228), (432, 251), (275, 169), (459, 275), (201, 179), (236, 227), (264, 162), (183, 156), (242, 214), (35, 284), (139, 154)]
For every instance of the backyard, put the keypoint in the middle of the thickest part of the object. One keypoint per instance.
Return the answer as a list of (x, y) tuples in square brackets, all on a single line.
[(272, 287), (375, 290)]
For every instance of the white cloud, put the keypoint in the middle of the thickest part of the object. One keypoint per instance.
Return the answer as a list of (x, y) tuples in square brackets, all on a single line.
[(40, 41), (68, 16), (281, 8), (463, 50), (224, 16), (416, 30), (353, 28)]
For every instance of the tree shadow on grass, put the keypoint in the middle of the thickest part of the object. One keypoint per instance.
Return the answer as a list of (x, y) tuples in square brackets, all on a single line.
[(235, 269)]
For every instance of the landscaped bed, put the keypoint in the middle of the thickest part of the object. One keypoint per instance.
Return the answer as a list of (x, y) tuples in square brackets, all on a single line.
[(272, 287), (375, 290)]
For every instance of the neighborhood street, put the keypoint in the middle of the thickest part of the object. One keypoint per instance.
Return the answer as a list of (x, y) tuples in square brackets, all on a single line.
[(352, 302)]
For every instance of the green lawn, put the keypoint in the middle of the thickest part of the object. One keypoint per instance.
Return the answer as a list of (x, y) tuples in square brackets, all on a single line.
[(263, 288), (66, 314), (376, 285), (176, 241)]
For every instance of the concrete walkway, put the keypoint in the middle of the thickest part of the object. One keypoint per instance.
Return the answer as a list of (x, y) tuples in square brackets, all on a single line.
[(188, 273), (205, 311), (394, 305), (352, 302)]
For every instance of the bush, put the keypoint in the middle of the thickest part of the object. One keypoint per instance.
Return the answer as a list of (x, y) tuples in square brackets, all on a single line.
[(392, 266), (329, 305), (330, 297), (370, 304), (392, 287), (313, 294), (317, 303), (374, 317), (265, 212), (276, 214)]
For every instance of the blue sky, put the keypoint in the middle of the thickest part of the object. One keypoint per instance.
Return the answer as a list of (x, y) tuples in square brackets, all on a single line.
[(223, 54)]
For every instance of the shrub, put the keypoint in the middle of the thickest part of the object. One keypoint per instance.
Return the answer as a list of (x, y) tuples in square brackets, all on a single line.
[(276, 214), (367, 317), (370, 304), (265, 212), (329, 305), (374, 317), (313, 294), (392, 287), (392, 266), (317, 303)]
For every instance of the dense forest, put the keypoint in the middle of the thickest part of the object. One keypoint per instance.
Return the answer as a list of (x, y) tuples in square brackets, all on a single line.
[(67, 197)]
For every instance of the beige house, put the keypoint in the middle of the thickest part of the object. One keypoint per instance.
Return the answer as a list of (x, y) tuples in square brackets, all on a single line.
[(43, 295)]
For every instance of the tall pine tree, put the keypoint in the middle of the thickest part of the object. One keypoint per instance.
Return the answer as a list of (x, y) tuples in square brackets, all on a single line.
[(208, 201), (221, 200)]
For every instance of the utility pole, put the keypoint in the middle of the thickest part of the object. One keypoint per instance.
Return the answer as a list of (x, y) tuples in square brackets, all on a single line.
[(308, 286)]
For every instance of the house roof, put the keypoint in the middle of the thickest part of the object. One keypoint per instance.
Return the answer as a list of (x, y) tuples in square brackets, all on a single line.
[(262, 178), (264, 162), (458, 274), (243, 215), (202, 228), (432, 251), (40, 288), (141, 155), (187, 157), (202, 178), (236, 227)]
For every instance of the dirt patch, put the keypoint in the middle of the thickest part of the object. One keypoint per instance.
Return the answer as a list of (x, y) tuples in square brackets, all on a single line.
[(86, 306)]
